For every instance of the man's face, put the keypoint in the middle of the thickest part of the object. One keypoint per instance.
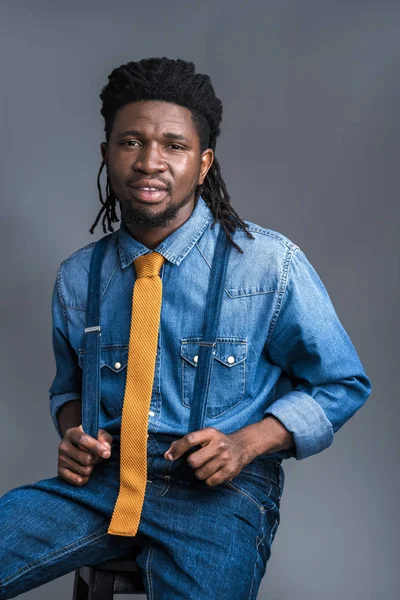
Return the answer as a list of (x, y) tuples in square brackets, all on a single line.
[(155, 144)]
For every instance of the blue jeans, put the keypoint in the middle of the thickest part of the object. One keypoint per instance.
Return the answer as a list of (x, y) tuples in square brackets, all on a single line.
[(197, 541)]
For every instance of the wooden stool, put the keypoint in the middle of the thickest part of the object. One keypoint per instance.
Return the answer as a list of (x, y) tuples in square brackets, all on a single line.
[(102, 581)]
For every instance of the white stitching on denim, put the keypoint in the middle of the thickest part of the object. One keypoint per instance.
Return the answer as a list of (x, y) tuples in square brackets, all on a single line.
[(48, 557), (250, 596), (258, 557), (258, 504), (148, 573), (167, 480), (273, 531)]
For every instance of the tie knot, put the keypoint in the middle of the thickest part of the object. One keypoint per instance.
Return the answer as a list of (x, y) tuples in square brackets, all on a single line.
[(148, 265)]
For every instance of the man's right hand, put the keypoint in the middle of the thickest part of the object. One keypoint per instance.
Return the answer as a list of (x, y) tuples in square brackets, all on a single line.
[(78, 452)]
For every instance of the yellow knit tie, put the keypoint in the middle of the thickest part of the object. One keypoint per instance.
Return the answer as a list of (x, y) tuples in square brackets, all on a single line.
[(146, 308)]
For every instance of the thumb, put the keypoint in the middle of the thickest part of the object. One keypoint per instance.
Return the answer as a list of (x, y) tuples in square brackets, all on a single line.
[(105, 437)]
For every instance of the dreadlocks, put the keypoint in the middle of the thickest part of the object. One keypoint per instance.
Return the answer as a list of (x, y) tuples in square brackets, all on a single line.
[(172, 81)]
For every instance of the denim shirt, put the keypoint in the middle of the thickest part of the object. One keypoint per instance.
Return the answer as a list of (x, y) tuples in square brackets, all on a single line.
[(281, 349)]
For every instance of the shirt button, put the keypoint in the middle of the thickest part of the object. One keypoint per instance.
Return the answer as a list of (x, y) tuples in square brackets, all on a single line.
[(196, 358), (231, 359), (117, 365)]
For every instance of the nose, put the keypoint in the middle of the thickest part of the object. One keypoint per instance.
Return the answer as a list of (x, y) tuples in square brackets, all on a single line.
[(149, 159)]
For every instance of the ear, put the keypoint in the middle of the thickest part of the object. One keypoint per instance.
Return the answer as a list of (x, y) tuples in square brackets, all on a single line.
[(103, 148), (207, 159)]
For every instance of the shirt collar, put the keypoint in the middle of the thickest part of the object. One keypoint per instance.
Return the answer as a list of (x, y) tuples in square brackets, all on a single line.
[(175, 246)]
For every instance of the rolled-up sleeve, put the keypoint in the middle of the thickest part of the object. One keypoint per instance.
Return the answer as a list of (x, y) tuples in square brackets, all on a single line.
[(311, 346), (67, 384)]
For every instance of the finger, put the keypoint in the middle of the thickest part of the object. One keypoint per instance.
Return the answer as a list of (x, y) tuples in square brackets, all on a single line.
[(79, 438), (194, 438), (68, 463), (72, 477), (209, 468), (203, 455), (105, 437), (80, 456), (219, 477)]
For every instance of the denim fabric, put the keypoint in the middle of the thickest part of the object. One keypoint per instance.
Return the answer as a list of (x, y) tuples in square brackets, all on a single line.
[(281, 348), (195, 540)]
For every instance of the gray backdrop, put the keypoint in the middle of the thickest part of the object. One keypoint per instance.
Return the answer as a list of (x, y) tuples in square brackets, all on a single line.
[(309, 147)]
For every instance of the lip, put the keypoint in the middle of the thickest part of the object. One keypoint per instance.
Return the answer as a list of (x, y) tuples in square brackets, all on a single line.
[(149, 183), (148, 196)]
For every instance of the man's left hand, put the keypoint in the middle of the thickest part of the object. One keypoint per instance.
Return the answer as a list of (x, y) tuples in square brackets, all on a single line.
[(220, 459)]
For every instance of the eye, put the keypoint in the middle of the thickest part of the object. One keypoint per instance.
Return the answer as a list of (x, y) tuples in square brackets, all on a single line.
[(129, 142), (177, 147)]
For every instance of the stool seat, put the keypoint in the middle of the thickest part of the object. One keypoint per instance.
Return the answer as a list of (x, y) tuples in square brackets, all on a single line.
[(103, 580)]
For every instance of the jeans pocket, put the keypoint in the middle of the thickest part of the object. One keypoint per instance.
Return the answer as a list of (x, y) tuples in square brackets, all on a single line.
[(260, 484)]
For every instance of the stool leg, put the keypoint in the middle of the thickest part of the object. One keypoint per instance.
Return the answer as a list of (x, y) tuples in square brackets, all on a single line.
[(81, 590), (101, 585)]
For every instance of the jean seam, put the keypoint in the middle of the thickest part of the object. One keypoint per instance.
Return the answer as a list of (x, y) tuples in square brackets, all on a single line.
[(250, 596), (148, 573), (48, 557), (260, 505), (273, 531), (249, 496), (167, 481)]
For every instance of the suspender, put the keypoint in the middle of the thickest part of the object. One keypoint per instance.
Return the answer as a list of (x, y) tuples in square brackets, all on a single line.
[(209, 334), (91, 357), (91, 365)]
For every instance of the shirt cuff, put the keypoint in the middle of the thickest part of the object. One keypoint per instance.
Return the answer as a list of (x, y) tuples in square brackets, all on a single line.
[(305, 419), (56, 402)]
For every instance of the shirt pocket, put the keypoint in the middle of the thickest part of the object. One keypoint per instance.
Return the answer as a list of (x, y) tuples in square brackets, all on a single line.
[(228, 373), (113, 368)]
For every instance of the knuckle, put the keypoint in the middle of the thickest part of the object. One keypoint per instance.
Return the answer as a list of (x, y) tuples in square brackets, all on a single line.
[(191, 460), (62, 446), (83, 438), (190, 438)]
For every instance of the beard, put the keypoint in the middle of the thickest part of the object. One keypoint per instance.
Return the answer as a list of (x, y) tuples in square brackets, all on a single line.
[(144, 217)]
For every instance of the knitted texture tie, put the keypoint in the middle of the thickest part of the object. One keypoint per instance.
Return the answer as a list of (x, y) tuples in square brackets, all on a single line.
[(145, 319)]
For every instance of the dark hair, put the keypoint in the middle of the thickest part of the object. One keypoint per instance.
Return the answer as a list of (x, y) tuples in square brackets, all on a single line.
[(171, 81)]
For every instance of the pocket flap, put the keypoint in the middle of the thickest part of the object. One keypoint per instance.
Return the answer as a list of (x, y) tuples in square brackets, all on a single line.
[(231, 353), (115, 357), (227, 351), (190, 350)]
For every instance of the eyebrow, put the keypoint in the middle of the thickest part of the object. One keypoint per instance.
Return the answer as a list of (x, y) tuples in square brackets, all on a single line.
[(169, 135)]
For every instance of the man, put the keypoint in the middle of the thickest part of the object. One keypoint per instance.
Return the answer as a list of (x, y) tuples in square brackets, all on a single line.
[(284, 376)]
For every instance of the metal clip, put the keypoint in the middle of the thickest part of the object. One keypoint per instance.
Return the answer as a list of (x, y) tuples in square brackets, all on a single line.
[(94, 328)]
